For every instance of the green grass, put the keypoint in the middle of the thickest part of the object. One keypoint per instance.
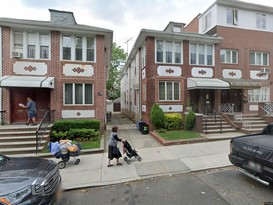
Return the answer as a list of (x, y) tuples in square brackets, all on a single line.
[(179, 135), (85, 145)]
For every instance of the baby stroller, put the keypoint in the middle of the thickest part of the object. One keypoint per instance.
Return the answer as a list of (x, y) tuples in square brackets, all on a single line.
[(64, 150), (130, 152)]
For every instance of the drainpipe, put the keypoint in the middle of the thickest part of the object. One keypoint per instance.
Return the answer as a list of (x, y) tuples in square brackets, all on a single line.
[(1, 72)]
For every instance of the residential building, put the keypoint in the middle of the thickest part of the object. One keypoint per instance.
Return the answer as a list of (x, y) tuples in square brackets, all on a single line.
[(60, 64), (220, 62)]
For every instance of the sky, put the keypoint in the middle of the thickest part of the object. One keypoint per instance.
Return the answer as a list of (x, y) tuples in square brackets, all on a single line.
[(125, 17)]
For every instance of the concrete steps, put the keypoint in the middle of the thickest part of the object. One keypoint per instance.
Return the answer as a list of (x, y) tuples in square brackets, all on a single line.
[(21, 139), (213, 125), (250, 123)]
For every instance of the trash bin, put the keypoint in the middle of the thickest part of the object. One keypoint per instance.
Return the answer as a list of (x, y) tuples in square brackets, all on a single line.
[(108, 116), (143, 128), (137, 124)]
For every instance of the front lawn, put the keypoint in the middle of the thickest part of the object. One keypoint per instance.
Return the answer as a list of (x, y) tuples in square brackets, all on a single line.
[(179, 135)]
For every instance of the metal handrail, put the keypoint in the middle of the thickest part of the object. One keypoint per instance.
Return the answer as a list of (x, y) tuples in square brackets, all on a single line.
[(40, 132), (214, 114)]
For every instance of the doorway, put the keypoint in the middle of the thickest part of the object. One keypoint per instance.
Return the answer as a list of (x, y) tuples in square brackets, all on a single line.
[(202, 101), (19, 95), (233, 96)]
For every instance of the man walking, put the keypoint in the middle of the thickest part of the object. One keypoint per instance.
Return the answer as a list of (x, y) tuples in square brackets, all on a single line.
[(32, 111)]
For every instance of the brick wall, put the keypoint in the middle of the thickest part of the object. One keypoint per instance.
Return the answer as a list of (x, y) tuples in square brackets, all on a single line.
[(193, 26)]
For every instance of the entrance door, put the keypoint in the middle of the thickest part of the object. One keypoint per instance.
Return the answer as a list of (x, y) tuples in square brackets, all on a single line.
[(202, 100), (19, 95), (232, 96)]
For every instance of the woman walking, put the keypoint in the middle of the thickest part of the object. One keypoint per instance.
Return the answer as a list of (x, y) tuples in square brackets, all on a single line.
[(113, 150)]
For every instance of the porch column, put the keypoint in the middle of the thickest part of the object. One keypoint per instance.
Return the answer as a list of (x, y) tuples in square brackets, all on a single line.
[(217, 100)]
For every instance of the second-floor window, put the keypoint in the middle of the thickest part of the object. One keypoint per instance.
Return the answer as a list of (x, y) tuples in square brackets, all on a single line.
[(229, 56), (206, 22), (80, 48), (168, 52), (78, 94), (201, 54), (232, 16), (169, 90), (259, 58), (31, 45), (260, 21), (143, 56)]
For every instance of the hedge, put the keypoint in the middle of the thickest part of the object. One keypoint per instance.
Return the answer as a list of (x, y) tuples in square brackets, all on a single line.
[(65, 125), (173, 121)]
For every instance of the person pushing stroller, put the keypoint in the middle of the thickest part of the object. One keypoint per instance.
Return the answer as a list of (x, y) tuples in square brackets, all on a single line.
[(113, 150)]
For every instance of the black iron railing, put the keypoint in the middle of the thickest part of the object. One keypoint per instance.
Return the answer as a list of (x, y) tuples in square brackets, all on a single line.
[(212, 116), (41, 130)]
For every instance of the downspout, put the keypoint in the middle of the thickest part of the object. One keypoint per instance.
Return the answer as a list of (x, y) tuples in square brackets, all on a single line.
[(1, 72)]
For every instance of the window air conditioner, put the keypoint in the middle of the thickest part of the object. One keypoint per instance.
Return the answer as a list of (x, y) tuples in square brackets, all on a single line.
[(17, 55), (265, 70)]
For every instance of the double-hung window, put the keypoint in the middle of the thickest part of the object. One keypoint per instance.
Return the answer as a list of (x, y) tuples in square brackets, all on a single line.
[(32, 45), (168, 52), (201, 54), (259, 95), (79, 48), (169, 90), (232, 16), (44, 46), (229, 56), (78, 94), (259, 58), (67, 43), (260, 21), (206, 22), (143, 56)]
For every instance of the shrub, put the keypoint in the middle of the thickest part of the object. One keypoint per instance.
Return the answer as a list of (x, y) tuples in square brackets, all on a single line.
[(162, 130), (83, 134), (71, 129), (173, 121), (190, 120), (157, 116), (65, 125)]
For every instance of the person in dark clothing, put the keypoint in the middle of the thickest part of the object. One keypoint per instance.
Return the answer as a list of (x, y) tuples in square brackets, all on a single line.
[(31, 110), (113, 151)]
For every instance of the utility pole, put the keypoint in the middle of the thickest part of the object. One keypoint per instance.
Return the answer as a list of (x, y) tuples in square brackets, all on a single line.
[(127, 42)]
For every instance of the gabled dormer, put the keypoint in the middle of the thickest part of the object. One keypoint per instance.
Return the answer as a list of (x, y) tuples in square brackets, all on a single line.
[(175, 27), (62, 17)]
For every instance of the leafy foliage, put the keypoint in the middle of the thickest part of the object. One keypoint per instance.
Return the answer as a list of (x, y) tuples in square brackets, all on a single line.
[(173, 121), (113, 84), (190, 120), (157, 116)]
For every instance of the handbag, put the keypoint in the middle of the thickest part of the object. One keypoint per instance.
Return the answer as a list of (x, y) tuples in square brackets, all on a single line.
[(116, 150)]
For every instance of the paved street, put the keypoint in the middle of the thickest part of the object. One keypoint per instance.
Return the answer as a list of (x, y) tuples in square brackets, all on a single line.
[(214, 187)]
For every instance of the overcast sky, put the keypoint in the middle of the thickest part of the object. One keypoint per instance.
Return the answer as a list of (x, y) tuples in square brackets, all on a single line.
[(125, 17)]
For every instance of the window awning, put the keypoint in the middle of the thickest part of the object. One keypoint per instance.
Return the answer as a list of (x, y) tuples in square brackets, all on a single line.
[(27, 82), (206, 83), (242, 83)]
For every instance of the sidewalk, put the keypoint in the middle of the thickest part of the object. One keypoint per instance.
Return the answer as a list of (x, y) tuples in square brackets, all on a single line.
[(157, 160)]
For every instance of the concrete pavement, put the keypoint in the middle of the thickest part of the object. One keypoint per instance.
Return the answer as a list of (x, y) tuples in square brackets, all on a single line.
[(157, 160)]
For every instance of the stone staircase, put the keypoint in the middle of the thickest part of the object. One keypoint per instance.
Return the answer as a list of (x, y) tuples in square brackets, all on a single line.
[(250, 123), (20, 139), (216, 124)]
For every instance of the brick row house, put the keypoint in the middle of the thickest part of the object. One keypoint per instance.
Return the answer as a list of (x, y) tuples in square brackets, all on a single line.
[(62, 65), (220, 62)]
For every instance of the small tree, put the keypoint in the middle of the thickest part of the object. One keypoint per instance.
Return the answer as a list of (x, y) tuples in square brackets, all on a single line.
[(157, 116), (190, 120)]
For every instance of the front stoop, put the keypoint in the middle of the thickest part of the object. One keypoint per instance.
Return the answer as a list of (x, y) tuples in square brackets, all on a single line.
[(20, 139), (251, 123), (210, 125)]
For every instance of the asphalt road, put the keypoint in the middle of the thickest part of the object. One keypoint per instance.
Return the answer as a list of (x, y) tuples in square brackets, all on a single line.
[(213, 187)]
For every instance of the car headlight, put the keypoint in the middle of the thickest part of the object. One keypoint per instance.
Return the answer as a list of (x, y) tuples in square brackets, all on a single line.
[(16, 196)]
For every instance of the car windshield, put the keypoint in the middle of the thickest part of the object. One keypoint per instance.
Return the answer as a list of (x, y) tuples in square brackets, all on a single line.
[(3, 159)]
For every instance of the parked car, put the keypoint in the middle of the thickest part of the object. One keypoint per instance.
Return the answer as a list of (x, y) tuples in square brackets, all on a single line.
[(29, 180), (253, 154)]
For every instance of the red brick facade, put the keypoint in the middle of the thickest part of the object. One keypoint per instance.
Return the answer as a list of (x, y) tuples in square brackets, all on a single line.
[(55, 68)]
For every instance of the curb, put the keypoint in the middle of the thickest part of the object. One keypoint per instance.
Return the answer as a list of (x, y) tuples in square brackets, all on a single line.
[(177, 142)]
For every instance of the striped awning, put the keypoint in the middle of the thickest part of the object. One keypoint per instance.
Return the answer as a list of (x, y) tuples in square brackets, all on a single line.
[(206, 83), (27, 81), (242, 83)]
